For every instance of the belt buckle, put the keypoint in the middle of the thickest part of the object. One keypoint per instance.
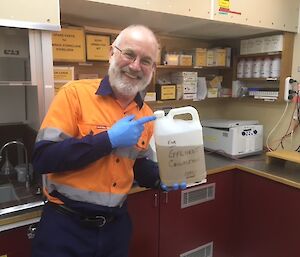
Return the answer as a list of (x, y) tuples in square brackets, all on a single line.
[(97, 221)]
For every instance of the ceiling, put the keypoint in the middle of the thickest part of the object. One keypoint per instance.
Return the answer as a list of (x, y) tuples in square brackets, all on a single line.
[(86, 13)]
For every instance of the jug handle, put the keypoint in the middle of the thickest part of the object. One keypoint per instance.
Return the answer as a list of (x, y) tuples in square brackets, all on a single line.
[(184, 110)]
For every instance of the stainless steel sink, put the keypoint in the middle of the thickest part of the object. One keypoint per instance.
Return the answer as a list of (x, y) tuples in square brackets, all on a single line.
[(8, 193)]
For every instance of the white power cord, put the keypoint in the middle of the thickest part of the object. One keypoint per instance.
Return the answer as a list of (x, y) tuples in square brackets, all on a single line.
[(273, 129)]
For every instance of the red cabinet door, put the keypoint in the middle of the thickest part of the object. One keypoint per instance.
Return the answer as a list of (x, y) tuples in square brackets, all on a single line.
[(186, 229), (143, 208), (269, 218), (15, 242)]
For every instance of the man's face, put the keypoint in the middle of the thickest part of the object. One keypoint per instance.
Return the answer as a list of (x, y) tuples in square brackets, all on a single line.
[(132, 64)]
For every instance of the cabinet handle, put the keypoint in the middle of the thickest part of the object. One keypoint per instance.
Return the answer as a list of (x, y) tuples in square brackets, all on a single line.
[(166, 194), (155, 200), (31, 231)]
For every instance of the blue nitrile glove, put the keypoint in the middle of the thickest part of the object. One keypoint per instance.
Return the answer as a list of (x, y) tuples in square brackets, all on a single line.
[(175, 186), (127, 131)]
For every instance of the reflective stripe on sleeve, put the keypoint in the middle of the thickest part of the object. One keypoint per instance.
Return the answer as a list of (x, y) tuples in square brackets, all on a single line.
[(51, 134)]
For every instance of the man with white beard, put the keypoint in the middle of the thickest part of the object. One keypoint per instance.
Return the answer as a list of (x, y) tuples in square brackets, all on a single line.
[(90, 148)]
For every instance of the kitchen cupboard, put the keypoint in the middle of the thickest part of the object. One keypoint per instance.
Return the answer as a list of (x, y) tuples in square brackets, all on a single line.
[(250, 216), (162, 228)]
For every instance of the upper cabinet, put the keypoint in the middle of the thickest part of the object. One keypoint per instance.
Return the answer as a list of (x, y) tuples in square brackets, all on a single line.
[(191, 8), (194, 18), (33, 14), (272, 14)]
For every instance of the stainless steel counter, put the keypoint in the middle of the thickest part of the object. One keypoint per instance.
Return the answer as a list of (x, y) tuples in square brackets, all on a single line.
[(283, 172)]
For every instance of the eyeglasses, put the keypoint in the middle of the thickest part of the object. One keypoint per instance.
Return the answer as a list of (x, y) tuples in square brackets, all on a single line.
[(131, 56)]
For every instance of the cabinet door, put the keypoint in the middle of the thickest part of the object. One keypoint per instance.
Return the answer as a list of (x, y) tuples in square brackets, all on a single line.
[(15, 242), (185, 229), (268, 223), (143, 210)]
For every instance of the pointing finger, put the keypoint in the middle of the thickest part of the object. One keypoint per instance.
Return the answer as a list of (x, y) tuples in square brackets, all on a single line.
[(144, 120)]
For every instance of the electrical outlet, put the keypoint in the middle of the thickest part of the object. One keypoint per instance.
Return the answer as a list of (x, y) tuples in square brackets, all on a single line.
[(287, 87)]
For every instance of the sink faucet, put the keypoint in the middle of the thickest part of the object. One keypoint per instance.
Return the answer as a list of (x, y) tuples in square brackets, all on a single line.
[(26, 158)]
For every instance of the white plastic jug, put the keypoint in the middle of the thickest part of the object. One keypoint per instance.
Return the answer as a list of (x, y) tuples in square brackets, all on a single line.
[(179, 147)]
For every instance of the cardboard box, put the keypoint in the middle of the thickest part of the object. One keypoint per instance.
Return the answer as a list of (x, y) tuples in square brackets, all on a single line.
[(267, 47), (172, 59), (185, 60), (258, 45), (190, 96), (190, 87), (182, 77), (251, 46), (166, 91), (210, 57), (179, 92), (220, 56), (200, 58), (212, 92), (97, 47), (150, 97), (276, 43)]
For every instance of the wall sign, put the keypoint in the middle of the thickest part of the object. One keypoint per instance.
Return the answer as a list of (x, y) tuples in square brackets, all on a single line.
[(69, 45)]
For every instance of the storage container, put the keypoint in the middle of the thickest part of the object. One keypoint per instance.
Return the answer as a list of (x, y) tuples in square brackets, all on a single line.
[(179, 146)]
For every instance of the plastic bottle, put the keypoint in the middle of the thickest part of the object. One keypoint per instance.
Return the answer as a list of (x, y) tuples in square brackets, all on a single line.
[(179, 147), (265, 71), (275, 67), (257, 67), (248, 70), (240, 68)]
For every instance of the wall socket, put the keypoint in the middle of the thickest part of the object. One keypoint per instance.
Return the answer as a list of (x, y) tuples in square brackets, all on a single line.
[(287, 87)]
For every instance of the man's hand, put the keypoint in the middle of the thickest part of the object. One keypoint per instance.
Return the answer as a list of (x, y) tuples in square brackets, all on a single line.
[(127, 131)]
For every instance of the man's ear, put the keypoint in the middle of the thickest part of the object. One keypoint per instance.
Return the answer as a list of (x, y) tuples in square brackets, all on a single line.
[(111, 53)]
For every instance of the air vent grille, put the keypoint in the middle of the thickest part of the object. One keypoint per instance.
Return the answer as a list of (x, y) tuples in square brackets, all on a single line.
[(202, 251), (197, 195)]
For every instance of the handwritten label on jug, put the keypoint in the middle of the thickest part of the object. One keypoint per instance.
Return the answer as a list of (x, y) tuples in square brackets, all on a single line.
[(181, 163), (181, 156), (171, 142)]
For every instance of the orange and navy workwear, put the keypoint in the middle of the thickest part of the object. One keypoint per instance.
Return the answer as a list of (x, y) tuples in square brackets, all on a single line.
[(74, 151)]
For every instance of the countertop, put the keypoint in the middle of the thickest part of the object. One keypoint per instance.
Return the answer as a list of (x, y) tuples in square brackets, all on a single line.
[(281, 171)]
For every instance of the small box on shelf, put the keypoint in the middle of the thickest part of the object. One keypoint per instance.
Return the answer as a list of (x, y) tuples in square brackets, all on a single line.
[(166, 92)]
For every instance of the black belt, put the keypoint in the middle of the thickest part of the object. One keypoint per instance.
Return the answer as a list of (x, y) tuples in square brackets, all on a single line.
[(94, 221)]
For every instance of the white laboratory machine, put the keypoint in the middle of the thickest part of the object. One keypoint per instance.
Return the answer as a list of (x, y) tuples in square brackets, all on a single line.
[(233, 138)]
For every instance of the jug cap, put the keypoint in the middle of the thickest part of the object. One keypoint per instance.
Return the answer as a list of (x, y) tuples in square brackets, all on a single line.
[(159, 114)]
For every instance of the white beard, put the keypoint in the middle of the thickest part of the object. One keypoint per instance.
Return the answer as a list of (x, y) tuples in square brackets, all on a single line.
[(122, 87)]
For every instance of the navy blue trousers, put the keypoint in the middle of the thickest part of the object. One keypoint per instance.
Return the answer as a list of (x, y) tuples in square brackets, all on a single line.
[(59, 235)]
